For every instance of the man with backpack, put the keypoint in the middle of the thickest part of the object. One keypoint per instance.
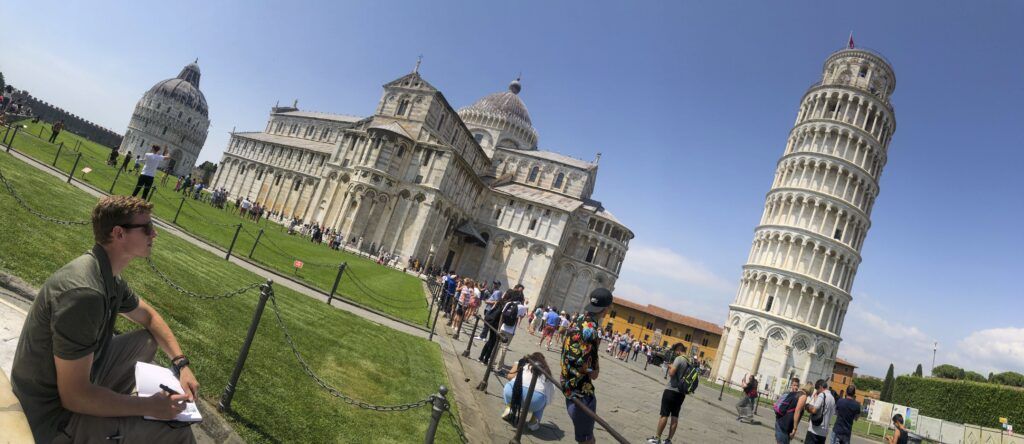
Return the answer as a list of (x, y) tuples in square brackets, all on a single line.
[(683, 376), (788, 410), (822, 407), (504, 316)]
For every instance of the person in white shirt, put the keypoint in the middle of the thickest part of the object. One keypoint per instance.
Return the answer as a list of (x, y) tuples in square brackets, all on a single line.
[(152, 161), (822, 403), (520, 377)]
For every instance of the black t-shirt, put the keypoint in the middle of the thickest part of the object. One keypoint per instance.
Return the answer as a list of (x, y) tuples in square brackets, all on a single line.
[(785, 421), (847, 411)]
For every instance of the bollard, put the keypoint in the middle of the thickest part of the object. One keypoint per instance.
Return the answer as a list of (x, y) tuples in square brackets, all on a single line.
[(115, 180), (74, 167), (232, 247), (6, 132), (337, 279), (482, 386), (266, 290), (254, 244), (469, 346), (10, 144), (41, 128), (526, 408), (77, 146), (431, 309), (59, 148), (439, 407), (434, 325), (722, 390), (175, 221)]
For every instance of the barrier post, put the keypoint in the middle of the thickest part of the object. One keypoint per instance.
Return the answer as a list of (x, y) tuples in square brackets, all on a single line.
[(59, 148), (433, 298), (181, 204), (722, 390), (115, 179), (13, 136), (77, 146), (434, 324), (232, 246), (254, 244), (6, 132), (41, 128), (472, 336), (266, 290), (440, 405), (525, 408), (73, 168), (337, 279)]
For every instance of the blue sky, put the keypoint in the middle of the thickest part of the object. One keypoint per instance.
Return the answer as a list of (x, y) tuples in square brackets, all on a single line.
[(690, 104)]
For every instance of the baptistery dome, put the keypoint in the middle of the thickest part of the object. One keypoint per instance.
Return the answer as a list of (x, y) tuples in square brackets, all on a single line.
[(183, 89)]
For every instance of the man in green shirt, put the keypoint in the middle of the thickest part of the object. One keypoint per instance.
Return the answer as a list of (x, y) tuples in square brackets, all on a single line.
[(71, 375)]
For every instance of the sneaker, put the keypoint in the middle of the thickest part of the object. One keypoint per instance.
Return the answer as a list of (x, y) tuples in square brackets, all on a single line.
[(533, 425), (667, 441), (653, 440), (506, 413)]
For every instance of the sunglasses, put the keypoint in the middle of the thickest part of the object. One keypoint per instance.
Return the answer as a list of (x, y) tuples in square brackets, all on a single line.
[(146, 227)]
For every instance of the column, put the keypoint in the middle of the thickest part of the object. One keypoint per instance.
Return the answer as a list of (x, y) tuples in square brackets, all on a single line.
[(401, 222), (785, 364), (757, 355), (807, 370), (735, 353), (381, 228)]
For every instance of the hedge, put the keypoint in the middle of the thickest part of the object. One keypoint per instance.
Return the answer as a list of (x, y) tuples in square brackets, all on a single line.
[(960, 401)]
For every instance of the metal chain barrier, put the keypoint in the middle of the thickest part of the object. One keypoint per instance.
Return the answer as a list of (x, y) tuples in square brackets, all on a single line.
[(457, 427), (14, 194), (192, 294), (333, 391)]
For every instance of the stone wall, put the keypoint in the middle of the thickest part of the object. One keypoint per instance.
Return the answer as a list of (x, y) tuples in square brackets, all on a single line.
[(72, 122)]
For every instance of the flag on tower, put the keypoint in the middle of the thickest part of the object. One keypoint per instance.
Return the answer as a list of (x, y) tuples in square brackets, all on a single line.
[(851, 40)]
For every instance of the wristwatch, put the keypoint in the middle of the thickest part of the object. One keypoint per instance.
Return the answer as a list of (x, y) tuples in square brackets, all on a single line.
[(179, 363)]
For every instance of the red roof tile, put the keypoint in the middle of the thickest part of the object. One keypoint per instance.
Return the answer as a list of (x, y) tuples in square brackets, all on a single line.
[(670, 316)]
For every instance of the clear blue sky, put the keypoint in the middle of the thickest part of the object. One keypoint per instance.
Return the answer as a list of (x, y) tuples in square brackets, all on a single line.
[(689, 102)]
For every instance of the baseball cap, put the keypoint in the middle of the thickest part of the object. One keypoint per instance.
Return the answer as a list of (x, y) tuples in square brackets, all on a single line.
[(600, 299)]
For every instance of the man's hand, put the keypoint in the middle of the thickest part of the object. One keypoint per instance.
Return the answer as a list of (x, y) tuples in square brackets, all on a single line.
[(189, 383), (793, 433), (164, 406)]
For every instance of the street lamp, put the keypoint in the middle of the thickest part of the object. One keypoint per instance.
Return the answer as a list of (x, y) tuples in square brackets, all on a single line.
[(935, 348)]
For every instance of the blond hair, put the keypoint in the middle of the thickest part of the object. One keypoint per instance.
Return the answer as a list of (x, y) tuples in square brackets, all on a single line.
[(112, 211)]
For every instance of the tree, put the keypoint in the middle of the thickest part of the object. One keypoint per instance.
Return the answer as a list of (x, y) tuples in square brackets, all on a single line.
[(919, 372), (1007, 378), (2, 84), (973, 376), (948, 372), (867, 383), (886, 395)]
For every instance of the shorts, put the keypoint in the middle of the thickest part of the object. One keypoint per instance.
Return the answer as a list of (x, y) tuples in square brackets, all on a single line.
[(561, 330), (460, 310), (811, 438), (671, 403), (549, 330), (582, 423)]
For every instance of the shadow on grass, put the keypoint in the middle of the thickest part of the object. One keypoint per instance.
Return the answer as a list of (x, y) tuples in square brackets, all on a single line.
[(253, 427)]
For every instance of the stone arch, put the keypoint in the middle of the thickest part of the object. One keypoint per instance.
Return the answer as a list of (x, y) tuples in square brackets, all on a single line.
[(753, 326)]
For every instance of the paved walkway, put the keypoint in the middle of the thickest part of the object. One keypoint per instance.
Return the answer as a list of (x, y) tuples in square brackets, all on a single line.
[(628, 397)]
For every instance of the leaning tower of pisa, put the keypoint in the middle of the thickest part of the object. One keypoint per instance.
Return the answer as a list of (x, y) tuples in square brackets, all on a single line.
[(787, 317)]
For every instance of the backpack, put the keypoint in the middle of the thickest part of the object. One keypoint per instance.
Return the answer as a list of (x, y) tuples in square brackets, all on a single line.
[(784, 405), (510, 313), (686, 377), (818, 417)]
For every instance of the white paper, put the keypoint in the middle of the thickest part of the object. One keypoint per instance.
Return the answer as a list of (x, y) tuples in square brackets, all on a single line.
[(148, 378)]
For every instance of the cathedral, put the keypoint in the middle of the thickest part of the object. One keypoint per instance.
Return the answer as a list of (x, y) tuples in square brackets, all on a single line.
[(468, 190), (172, 114)]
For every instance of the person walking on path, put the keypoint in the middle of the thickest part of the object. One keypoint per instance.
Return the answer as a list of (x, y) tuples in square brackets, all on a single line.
[(822, 407), (580, 365), (788, 410), (55, 130), (673, 396), (551, 321), (490, 305), (745, 408), (72, 375), (149, 171), (503, 319), (900, 435), (847, 410)]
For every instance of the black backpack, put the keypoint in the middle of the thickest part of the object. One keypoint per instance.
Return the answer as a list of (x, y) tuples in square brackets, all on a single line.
[(510, 313)]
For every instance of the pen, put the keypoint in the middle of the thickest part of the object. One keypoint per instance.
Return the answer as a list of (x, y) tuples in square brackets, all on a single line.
[(168, 390)]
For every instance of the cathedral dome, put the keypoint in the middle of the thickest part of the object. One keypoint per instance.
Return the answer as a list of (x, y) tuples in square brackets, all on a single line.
[(504, 104), (183, 89)]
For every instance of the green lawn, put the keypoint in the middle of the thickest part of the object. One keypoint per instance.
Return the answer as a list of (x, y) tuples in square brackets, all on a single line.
[(383, 289), (275, 400)]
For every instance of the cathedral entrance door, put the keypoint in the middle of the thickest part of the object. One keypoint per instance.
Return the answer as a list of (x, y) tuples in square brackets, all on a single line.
[(448, 260)]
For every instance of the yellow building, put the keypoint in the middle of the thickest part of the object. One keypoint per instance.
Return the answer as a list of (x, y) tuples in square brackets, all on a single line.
[(842, 376), (655, 325)]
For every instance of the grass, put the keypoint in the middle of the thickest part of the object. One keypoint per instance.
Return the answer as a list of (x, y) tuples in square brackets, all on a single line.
[(382, 288), (275, 400)]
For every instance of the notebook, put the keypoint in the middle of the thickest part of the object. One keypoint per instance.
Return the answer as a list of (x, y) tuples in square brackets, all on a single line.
[(148, 378)]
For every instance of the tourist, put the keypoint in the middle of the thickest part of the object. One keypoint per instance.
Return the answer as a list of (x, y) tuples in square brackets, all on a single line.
[(847, 410), (138, 163), (580, 364), (465, 297), (674, 394), (900, 435), (68, 342), (519, 381), (55, 130), (504, 320), (563, 326), (788, 410), (127, 159), (745, 408), (822, 407), (550, 327), (112, 158), (145, 181), (538, 319), (490, 305)]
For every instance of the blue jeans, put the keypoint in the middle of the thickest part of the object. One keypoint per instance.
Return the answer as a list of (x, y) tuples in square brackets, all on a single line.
[(781, 436), (537, 403)]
